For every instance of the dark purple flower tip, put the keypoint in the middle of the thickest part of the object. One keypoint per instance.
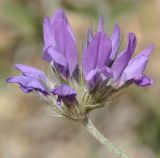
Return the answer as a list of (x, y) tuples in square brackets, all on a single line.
[(92, 79), (89, 35), (143, 81), (89, 38), (64, 93), (59, 36), (32, 79)]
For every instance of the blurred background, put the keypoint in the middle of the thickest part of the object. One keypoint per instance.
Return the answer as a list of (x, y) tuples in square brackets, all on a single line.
[(131, 121)]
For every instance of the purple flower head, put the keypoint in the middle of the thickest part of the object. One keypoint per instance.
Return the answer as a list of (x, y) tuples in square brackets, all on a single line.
[(60, 45), (102, 61), (31, 79), (73, 90)]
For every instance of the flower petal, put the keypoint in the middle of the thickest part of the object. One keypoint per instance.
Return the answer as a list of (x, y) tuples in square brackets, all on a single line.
[(29, 71), (59, 14), (89, 38), (63, 90), (28, 84), (101, 24), (58, 34), (56, 57), (135, 68), (98, 76), (97, 53), (123, 59), (106, 71), (92, 79), (138, 64), (115, 38), (26, 90), (146, 52), (66, 45), (91, 75), (64, 93), (89, 35), (48, 34)]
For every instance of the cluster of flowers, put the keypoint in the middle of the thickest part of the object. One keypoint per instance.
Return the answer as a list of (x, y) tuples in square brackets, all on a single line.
[(76, 89)]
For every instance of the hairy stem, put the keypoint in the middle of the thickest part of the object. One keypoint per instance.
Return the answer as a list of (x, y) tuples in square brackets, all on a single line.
[(103, 140)]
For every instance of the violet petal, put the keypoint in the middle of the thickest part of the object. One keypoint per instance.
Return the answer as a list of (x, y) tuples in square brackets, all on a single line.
[(138, 64), (28, 84), (115, 38), (97, 53), (29, 71), (63, 90), (88, 39), (48, 34), (123, 59), (58, 34), (101, 24), (66, 45), (92, 79), (106, 71), (59, 14), (56, 57)]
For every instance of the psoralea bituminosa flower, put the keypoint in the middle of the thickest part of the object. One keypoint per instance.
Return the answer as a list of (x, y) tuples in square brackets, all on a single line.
[(75, 90), (78, 89)]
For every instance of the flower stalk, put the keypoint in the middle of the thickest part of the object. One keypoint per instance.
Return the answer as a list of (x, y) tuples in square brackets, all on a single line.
[(103, 140)]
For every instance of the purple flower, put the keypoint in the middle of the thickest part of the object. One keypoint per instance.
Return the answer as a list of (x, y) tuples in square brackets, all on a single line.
[(134, 71), (96, 55), (60, 48), (31, 79), (65, 94), (101, 60), (104, 70)]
